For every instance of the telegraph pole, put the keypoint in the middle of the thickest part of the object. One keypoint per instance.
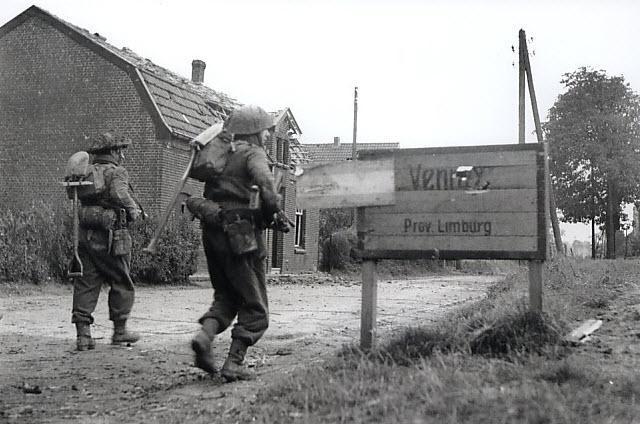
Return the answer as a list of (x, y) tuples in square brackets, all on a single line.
[(355, 123), (525, 72), (354, 151), (521, 77)]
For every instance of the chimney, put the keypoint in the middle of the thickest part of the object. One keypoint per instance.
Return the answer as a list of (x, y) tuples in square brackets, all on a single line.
[(197, 71), (336, 141)]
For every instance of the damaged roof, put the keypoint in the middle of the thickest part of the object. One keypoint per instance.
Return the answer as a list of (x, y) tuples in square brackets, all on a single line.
[(185, 108)]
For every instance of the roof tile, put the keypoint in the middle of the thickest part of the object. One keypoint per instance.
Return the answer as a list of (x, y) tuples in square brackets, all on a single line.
[(330, 152)]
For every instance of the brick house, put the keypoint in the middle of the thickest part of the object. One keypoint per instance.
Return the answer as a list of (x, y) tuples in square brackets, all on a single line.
[(60, 85)]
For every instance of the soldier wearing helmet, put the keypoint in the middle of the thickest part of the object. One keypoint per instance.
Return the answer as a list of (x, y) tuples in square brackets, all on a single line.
[(102, 264), (238, 275)]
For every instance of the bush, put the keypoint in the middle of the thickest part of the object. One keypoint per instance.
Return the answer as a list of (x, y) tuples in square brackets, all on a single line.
[(176, 255), (336, 250), (36, 245)]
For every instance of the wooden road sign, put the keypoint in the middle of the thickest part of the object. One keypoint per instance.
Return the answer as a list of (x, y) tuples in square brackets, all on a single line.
[(346, 184), (494, 209)]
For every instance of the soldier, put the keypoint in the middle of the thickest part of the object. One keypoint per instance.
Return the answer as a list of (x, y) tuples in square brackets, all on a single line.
[(235, 247), (105, 249)]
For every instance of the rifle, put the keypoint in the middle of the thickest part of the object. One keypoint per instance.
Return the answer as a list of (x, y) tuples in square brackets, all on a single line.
[(280, 219), (199, 141)]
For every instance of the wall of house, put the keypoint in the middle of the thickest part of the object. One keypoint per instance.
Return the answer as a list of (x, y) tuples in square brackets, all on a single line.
[(294, 260), (305, 259), (55, 95)]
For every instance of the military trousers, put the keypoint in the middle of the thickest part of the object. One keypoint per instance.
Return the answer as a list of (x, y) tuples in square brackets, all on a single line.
[(239, 285), (100, 268)]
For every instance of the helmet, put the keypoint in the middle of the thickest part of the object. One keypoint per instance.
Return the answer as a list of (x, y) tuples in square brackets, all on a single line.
[(77, 165), (108, 141), (248, 119)]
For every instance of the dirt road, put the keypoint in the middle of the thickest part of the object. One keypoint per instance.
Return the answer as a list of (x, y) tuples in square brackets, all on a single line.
[(43, 379)]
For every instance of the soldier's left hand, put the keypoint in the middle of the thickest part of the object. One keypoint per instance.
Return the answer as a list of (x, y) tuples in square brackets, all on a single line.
[(195, 145)]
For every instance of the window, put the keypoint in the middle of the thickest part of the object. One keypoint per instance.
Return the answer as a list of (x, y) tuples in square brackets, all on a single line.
[(300, 230), (282, 151), (279, 149)]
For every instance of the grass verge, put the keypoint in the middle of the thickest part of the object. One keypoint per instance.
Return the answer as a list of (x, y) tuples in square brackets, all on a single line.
[(493, 361)]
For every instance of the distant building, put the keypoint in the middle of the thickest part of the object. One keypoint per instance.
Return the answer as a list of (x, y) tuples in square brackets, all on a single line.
[(336, 151), (61, 85)]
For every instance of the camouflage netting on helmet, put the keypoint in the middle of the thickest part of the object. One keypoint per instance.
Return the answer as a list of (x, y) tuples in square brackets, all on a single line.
[(107, 141)]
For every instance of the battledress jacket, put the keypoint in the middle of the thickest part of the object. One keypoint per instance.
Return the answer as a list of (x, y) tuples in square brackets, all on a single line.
[(247, 166), (117, 180)]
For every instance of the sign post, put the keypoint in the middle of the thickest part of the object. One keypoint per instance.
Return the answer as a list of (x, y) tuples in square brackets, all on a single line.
[(471, 202), (369, 304)]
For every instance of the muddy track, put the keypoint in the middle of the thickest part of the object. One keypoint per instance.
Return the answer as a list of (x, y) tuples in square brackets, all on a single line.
[(43, 379)]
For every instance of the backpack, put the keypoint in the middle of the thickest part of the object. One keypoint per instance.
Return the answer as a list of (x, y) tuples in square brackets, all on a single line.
[(211, 159), (79, 169)]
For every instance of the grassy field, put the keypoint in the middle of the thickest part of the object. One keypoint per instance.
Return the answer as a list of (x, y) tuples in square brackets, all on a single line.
[(490, 362)]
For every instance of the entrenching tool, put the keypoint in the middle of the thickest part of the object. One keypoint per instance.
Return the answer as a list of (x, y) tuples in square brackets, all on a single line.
[(197, 143), (75, 266), (75, 174)]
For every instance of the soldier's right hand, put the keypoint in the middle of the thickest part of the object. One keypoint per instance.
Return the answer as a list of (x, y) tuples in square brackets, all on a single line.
[(280, 222), (134, 215)]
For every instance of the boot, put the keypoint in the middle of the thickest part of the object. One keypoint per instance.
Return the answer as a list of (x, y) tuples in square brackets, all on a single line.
[(201, 345), (234, 368), (84, 340), (121, 335)]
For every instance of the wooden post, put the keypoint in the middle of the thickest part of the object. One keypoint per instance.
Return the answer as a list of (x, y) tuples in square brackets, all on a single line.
[(521, 77), (536, 120), (369, 305), (535, 285), (354, 141)]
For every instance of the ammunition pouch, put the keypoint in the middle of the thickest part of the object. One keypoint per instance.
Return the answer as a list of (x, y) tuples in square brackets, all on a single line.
[(121, 242), (241, 234), (96, 218)]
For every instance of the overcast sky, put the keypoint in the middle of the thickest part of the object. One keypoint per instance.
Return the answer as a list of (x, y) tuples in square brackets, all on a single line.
[(430, 73)]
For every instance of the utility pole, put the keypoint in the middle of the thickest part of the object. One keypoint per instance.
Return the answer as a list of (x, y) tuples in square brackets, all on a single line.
[(355, 123), (521, 78), (354, 150), (525, 71)]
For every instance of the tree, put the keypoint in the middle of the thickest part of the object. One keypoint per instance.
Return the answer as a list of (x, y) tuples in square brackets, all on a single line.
[(594, 138), (333, 220)]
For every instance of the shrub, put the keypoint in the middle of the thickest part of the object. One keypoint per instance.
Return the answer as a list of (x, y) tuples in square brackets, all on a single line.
[(34, 245), (336, 250), (176, 255)]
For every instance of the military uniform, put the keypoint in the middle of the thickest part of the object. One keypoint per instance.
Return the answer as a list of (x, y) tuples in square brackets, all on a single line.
[(238, 279), (96, 251)]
